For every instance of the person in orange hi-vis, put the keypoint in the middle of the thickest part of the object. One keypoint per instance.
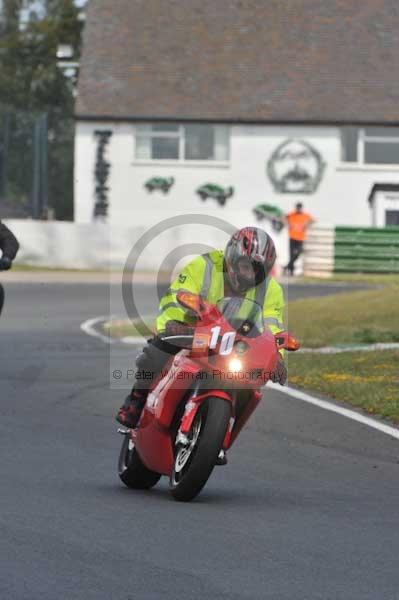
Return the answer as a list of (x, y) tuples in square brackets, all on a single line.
[(298, 222)]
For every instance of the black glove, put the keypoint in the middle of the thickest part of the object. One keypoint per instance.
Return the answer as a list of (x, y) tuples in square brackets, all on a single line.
[(5, 263), (178, 328), (279, 375)]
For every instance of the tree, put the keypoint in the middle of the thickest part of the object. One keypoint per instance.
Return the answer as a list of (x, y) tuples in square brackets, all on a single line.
[(32, 84)]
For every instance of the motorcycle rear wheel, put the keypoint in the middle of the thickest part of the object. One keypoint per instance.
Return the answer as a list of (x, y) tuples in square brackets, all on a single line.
[(193, 465), (131, 469)]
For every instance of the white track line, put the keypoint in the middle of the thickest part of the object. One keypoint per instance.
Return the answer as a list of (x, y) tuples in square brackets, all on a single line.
[(345, 412), (360, 348), (88, 327)]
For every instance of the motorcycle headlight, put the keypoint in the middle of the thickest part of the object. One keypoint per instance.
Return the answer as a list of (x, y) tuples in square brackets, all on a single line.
[(235, 365), (241, 347)]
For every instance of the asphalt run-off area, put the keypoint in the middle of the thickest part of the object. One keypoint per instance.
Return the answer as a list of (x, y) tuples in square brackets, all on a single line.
[(306, 509)]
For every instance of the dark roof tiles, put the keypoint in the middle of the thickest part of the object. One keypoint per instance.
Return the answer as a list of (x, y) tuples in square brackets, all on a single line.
[(241, 60)]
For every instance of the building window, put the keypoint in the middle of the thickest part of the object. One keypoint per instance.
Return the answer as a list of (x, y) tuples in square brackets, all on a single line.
[(165, 141), (370, 146)]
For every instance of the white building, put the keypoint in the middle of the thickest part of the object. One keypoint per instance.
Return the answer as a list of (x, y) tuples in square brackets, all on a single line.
[(269, 104)]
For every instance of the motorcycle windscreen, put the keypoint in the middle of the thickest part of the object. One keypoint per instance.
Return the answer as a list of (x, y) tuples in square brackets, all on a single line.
[(244, 315)]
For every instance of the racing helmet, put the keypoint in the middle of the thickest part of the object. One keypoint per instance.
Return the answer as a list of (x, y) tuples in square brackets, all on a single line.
[(249, 257)]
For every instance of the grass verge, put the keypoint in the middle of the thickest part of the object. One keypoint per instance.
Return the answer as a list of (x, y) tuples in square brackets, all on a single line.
[(367, 380), (362, 317)]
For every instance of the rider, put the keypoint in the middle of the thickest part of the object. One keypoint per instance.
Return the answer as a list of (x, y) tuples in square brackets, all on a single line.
[(243, 269), (9, 247)]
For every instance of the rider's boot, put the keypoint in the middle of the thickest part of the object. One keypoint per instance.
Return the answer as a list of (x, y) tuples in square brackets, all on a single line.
[(130, 411)]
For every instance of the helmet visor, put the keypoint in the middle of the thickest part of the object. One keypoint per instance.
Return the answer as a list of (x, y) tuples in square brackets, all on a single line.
[(249, 271)]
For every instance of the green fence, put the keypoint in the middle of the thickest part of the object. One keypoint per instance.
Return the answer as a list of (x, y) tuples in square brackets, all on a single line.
[(366, 250)]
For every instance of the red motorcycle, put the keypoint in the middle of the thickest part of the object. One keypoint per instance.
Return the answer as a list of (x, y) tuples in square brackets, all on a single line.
[(204, 396)]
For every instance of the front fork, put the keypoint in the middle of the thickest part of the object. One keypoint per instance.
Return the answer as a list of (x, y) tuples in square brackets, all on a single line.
[(236, 423), (194, 404)]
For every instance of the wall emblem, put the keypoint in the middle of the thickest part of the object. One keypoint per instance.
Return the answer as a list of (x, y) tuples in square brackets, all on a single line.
[(159, 183), (101, 174), (295, 167), (271, 213), (217, 192)]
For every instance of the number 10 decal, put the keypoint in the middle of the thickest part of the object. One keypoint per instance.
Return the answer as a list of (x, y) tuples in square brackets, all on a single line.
[(226, 343)]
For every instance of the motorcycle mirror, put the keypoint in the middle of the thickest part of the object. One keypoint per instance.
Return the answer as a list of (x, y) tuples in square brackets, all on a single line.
[(191, 301), (287, 341)]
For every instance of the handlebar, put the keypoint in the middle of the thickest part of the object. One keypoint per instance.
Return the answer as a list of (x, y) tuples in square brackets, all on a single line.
[(183, 341)]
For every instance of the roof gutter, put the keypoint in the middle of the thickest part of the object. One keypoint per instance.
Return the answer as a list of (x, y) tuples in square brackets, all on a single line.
[(238, 121)]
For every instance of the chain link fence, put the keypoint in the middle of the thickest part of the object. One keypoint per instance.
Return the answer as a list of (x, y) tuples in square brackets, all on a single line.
[(36, 166)]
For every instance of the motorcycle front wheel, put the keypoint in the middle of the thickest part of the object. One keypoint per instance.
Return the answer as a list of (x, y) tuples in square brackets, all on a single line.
[(195, 460), (131, 469)]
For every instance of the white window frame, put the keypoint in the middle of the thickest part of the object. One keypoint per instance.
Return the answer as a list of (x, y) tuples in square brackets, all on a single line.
[(181, 161), (360, 164), (378, 139)]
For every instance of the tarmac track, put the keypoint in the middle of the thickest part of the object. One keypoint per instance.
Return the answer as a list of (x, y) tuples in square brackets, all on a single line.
[(308, 507)]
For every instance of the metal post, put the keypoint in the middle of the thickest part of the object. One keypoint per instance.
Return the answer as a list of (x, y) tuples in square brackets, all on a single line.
[(44, 165), (4, 157), (36, 171)]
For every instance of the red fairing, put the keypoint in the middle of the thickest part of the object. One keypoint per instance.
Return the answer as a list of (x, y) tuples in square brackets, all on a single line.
[(181, 389), (153, 438), (155, 448), (167, 394), (261, 356)]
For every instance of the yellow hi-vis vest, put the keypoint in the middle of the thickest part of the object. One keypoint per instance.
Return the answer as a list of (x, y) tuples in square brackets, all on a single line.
[(204, 276)]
